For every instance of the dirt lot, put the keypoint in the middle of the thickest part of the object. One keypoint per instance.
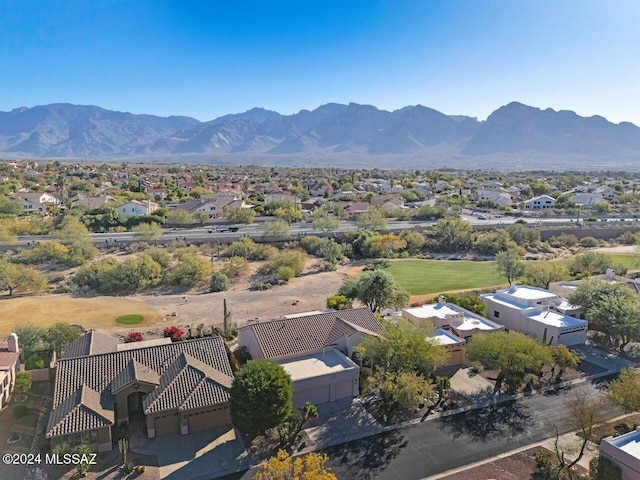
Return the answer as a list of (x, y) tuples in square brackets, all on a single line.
[(301, 294), (519, 466)]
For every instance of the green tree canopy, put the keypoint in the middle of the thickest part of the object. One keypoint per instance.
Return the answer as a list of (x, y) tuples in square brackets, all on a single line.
[(373, 220), (20, 278), (191, 270), (513, 354), (453, 234), (542, 274), (260, 397), (376, 289), (147, 231), (625, 391), (61, 334), (611, 308), (70, 229), (509, 264), (403, 347)]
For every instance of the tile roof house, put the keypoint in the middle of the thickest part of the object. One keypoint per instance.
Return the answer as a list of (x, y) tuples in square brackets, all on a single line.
[(314, 349), (176, 387)]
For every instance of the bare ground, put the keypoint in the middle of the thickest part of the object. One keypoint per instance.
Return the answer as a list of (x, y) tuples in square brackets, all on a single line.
[(96, 312), (300, 294)]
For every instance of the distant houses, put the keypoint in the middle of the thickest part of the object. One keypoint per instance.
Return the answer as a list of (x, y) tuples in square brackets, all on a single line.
[(136, 208)]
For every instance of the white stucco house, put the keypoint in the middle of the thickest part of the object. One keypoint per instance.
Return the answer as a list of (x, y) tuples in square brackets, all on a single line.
[(541, 202), (624, 451), (314, 349), (535, 312), (135, 208), (463, 323)]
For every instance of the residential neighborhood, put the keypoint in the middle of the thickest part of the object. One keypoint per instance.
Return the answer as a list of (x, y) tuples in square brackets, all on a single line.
[(379, 303)]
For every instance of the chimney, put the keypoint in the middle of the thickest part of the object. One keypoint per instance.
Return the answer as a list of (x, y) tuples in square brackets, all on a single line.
[(611, 274), (514, 286), (12, 341), (442, 300)]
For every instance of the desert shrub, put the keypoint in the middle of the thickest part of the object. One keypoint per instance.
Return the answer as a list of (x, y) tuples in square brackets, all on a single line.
[(563, 240), (247, 248), (191, 270), (377, 265), (219, 282), (235, 267), (260, 286), (589, 242), (285, 274), (293, 258), (628, 238), (160, 255), (20, 410)]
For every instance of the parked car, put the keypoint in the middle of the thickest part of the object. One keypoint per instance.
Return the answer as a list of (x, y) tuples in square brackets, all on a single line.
[(482, 217)]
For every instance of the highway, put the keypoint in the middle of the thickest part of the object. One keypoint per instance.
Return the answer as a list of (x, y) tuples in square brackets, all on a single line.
[(201, 234)]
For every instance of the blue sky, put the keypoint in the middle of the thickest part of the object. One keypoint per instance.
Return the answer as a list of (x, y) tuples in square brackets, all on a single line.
[(206, 59)]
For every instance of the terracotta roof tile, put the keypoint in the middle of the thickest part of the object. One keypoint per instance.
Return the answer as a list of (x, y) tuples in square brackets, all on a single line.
[(302, 334), (180, 368)]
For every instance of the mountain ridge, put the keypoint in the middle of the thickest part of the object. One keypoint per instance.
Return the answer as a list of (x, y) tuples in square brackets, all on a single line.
[(415, 135)]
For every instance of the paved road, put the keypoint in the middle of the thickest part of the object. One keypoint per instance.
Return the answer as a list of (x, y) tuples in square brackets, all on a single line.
[(256, 230), (440, 445)]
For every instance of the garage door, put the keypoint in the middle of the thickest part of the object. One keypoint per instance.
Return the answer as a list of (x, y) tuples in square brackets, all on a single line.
[(210, 419), (167, 423), (314, 395), (344, 390)]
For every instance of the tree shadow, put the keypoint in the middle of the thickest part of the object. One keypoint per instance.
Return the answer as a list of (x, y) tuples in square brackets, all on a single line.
[(508, 418), (365, 458)]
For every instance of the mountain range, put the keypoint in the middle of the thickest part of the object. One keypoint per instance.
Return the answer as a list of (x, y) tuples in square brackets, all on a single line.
[(515, 136)]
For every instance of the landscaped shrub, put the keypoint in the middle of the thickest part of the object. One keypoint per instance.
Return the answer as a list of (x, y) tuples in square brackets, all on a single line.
[(174, 333), (133, 337), (219, 282), (20, 410), (23, 382), (33, 363)]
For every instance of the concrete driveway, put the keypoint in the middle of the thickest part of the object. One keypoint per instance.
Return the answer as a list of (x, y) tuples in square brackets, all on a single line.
[(201, 455)]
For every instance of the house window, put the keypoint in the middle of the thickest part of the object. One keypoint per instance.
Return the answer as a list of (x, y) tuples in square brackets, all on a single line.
[(496, 314)]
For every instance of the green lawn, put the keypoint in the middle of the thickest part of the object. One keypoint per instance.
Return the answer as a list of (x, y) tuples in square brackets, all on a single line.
[(421, 277), (129, 319), (424, 277), (629, 260)]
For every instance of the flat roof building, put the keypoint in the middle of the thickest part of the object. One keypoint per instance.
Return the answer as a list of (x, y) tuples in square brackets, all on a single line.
[(624, 451), (535, 312), (462, 322)]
